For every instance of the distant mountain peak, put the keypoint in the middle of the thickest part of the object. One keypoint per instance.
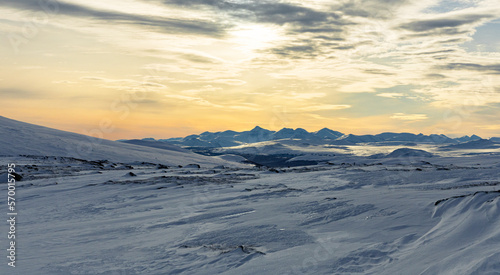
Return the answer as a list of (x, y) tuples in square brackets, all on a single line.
[(326, 133), (258, 128)]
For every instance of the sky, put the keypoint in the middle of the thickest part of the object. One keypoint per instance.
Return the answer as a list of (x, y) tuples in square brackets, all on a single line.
[(169, 68)]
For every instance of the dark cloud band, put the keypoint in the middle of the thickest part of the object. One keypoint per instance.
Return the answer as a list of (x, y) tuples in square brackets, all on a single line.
[(167, 25)]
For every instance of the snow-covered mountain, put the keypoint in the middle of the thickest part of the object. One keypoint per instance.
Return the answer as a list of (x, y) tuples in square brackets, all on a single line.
[(397, 137), (475, 144), (326, 133), (326, 136), (468, 138), (256, 135), (287, 133), (20, 138)]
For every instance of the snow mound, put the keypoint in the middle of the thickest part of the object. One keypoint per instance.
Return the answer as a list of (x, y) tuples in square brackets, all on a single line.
[(408, 152), (231, 157), (20, 138), (464, 241)]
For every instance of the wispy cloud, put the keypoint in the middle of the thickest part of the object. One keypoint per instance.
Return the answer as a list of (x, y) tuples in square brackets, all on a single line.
[(125, 84), (161, 24), (447, 25), (18, 93), (391, 95), (326, 107), (486, 68), (409, 117)]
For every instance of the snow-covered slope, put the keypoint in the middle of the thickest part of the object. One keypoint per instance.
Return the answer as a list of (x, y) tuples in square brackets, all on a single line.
[(408, 152), (19, 138), (475, 144), (357, 217)]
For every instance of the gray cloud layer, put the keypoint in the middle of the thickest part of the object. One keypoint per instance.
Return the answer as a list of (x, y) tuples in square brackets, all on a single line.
[(455, 22), (166, 25), (489, 69)]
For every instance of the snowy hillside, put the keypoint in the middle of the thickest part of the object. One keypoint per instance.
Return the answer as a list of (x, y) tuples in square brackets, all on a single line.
[(19, 138)]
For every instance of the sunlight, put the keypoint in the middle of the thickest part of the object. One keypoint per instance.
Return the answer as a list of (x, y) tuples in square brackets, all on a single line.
[(253, 37)]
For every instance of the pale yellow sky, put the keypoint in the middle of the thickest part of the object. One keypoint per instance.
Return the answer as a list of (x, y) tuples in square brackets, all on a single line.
[(173, 68)]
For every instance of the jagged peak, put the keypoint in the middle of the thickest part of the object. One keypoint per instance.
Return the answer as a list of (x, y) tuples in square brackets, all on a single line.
[(258, 128)]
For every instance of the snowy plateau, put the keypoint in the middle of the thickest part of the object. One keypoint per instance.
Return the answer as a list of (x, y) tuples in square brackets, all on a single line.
[(254, 202)]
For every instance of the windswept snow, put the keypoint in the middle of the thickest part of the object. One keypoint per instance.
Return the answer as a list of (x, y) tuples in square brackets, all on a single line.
[(364, 216)]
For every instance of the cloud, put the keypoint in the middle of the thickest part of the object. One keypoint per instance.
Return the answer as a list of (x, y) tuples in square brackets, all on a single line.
[(489, 69), (245, 107), (196, 100), (489, 127), (377, 71), (305, 96), (203, 90), (264, 11), (64, 82), (325, 24), (31, 67), (449, 24), (436, 52), (92, 78), (325, 107), (130, 85), (296, 51), (232, 82), (433, 24), (378, 9), (17, 93), (435, 76), (391, 95), (161, 24), (200, 58), (409, 117)]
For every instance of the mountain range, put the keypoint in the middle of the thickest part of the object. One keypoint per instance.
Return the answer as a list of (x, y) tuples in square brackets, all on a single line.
[(258, 134)]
